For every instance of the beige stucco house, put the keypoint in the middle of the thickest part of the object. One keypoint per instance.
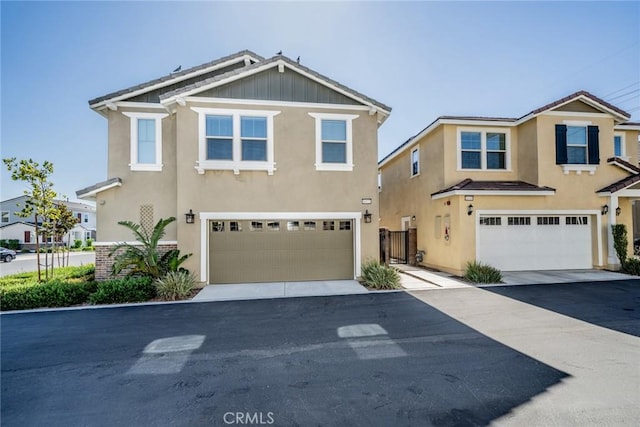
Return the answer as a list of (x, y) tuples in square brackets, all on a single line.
[(275, 163), (531, 193)]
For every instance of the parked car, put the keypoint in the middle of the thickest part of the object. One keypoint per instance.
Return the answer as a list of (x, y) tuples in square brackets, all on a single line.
[(7, 255)]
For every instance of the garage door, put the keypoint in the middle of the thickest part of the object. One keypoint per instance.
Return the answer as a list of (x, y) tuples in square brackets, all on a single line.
[(535, 242), (280, 250)]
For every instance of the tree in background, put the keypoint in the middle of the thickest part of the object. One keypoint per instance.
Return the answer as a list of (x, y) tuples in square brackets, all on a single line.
[(40, 194), (60, 222)]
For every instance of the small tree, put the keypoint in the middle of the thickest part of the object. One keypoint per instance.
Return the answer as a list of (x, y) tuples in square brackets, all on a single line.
[(144, 259), (620, 242), (60, 222), (40, 193)]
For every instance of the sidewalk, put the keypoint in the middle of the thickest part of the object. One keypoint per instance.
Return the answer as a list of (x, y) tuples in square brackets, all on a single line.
[(416, 278)]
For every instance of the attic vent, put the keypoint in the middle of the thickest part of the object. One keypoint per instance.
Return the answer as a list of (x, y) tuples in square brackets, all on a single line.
[(146, 218)]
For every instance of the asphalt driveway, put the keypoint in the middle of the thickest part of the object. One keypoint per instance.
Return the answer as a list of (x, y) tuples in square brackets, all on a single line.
[(453, 357)]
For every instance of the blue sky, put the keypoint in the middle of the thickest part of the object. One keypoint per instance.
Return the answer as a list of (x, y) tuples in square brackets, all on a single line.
[(424, 59)]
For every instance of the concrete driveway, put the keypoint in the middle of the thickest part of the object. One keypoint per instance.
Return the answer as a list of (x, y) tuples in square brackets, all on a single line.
[(550, 355)]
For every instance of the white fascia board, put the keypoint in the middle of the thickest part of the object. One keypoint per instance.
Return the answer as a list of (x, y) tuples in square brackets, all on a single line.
[(582, 98), (173, 81), (310, 105), (149, 105), (278, 215), (492, 193), (93, 193), (622, 166), (623, 127), (628, 193), (265, 67)]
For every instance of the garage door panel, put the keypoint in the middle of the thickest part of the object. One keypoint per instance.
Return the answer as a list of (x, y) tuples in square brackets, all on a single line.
[(536, 246), (288, 254)]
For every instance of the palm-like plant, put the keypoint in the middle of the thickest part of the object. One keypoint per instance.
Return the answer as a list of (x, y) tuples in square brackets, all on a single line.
[(144, 259)]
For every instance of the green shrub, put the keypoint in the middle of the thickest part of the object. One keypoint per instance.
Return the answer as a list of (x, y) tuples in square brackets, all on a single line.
[(89, 243), (88, 249), (478, 272), (54, 293), (379, 276), (10, 244), (84, 273), (175, 285), (632, 266), (118, 291), (619, 232), (77, 243)]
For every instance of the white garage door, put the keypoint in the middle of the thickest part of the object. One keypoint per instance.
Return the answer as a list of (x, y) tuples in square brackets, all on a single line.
[(535, 242)]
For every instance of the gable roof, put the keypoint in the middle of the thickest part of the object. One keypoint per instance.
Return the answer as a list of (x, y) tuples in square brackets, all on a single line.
[(278, 60), (91, 191), (584, 96), (507, 188), (623, 164), (622, 184), (175, 77)]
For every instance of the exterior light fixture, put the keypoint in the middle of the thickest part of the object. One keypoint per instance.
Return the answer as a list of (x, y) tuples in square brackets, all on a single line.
[(413, 218), (190, 217), (367, 216), (469, 209), (605, 209), (618, 210)]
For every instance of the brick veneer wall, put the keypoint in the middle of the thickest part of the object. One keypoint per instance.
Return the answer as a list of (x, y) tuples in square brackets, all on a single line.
[(104, 262)]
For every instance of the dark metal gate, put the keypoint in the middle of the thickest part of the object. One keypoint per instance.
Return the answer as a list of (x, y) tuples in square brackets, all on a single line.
[(396, 247)]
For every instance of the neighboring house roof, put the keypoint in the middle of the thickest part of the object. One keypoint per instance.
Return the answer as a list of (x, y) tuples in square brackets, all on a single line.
[(27, 223), (582, 95), (91, 191), (623, 164), (506, 188), (174, 77), (264, 65), (622, 184)]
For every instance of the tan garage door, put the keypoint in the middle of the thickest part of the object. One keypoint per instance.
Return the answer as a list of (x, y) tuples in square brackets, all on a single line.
[(280, 250)]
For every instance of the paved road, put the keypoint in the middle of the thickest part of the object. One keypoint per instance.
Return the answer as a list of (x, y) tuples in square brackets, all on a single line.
[(27, 262), (443, 358)]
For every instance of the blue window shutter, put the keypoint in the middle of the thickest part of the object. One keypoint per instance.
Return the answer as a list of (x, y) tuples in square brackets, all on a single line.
[(561, 144), (594, 149)]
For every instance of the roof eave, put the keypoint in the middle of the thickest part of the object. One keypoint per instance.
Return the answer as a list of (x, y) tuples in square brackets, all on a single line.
[(451, 193), (101, 105)]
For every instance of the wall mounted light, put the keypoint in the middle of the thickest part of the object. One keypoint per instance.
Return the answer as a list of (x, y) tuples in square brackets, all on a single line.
[(469, 209), (190, 217), (367, 216), (605, 209), (413, 218), (618, 211)]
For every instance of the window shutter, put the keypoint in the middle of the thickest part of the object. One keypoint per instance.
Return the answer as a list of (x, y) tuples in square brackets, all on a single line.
[(561, 144), (594, 149)]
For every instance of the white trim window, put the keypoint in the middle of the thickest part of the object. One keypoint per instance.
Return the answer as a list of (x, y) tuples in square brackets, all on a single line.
[(146, 141), (415, 162), (235, 140), (5, 217), (334, 141), (619, 145), (484, 149)]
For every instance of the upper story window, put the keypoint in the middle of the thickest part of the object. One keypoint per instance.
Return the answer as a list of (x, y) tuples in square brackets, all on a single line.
[(577, 147), (618, 145), (235, 140), (486, 149), (146, 141), (334, 141), (4, 215), (415, 162)]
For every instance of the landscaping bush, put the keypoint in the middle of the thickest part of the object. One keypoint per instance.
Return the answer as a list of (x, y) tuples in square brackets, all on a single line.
[(632, 266), (54, 293), (379, 276), (118, 291), (10, 244), (88, 249), (77, 243), (89, 243), (620, 242), (478, 272), (175, 285)]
